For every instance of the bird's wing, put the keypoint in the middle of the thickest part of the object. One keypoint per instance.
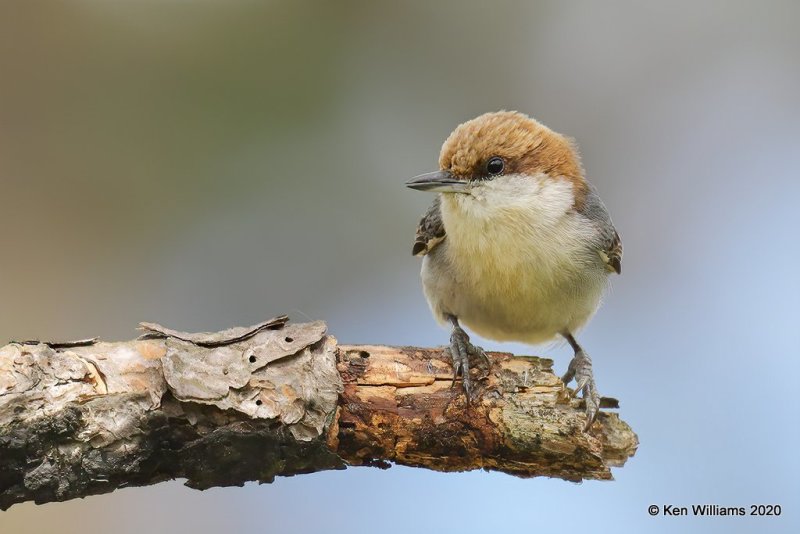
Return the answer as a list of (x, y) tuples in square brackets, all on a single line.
[(609, 243), (612, 254), (430, 231)]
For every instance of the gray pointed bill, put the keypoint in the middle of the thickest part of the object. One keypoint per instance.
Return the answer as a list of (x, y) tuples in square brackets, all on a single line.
[(438, 182)]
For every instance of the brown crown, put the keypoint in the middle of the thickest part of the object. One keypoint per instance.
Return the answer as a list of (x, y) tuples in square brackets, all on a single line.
[(527, 147)]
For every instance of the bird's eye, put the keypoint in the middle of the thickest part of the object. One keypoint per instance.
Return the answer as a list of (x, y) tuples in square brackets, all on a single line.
[(495, 166)]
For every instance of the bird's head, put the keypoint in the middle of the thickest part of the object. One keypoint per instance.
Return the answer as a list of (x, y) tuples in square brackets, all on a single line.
[(502, 152)]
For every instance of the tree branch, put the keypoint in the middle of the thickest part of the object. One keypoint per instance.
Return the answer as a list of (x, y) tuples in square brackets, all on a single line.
[(248, 404)]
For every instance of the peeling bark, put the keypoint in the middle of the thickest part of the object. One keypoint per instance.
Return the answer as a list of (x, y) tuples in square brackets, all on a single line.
[(248, 404)]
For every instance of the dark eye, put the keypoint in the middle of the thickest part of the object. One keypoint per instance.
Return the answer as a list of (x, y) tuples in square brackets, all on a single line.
[(495, 166)]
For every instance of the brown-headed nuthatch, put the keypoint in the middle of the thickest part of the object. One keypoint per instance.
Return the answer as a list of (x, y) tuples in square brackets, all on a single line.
[(517, 245)]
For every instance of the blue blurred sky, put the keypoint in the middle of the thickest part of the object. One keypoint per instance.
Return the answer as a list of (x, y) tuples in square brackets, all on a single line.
[(206, 164)]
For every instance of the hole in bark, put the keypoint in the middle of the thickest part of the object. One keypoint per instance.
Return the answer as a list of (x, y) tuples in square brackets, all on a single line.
[(346, 424), (258, 402), (288, 339), (252, 359), (363, 354)]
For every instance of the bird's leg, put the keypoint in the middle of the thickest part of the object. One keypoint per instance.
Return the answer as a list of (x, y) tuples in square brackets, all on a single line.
[(580, 368), (460, 350)]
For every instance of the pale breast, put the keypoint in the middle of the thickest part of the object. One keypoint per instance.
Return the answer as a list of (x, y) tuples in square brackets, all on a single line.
[(522, 269)]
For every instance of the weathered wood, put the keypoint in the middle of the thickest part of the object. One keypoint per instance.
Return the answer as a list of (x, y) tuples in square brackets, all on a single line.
[(78, 419)]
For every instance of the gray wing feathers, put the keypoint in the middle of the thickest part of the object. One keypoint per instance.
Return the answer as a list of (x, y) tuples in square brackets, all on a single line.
[(430, 231), (610, 244), (612, 254)]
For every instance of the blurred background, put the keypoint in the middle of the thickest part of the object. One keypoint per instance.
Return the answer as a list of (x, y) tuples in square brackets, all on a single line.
[(206, 164)]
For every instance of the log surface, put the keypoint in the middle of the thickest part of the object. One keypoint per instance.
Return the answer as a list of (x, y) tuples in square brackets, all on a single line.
[(248, 404)]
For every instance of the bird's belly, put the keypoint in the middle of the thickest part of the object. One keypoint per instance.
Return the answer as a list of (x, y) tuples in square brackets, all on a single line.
[(506, 301), (533, 311)]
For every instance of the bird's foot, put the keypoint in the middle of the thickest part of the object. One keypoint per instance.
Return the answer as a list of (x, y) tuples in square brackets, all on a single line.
[(461, 350), (580, 368)]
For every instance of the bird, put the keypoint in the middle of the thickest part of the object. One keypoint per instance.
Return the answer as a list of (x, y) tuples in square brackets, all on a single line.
[(517, 244)]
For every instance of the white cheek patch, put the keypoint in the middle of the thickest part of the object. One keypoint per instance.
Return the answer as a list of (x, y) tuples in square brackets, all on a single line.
[(537, 198)]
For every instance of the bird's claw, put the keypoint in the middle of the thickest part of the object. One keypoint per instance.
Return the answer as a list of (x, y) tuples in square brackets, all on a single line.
[(580, 368), (460, 351), (579, 386)]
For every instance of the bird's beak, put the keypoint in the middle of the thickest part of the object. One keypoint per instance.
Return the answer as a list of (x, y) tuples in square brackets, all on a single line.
[(438, 182)]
